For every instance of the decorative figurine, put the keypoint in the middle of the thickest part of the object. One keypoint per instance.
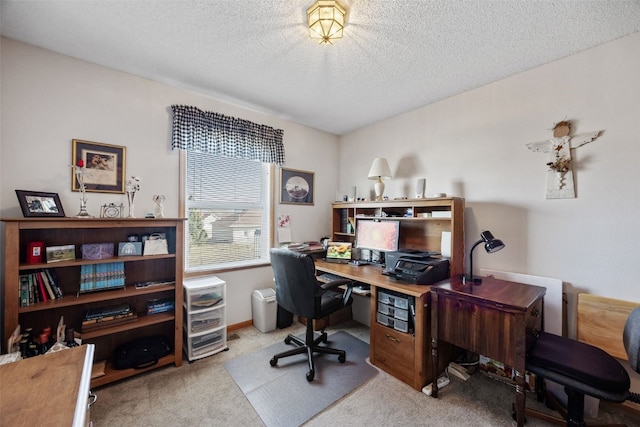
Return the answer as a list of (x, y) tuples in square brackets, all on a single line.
[(560, 184)]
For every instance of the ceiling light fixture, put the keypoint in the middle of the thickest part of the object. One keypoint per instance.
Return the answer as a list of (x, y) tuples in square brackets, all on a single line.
[(326, 19)]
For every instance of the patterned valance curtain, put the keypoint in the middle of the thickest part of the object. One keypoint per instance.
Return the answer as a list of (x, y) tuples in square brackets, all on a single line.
[(214, 133)]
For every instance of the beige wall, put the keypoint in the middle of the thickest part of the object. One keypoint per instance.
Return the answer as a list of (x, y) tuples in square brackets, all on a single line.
[(470, 145), (49, 99), (473, 145)]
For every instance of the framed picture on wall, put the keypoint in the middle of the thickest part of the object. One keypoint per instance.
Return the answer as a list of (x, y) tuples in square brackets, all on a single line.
[(104, 166), (296, 186), (39, 204)]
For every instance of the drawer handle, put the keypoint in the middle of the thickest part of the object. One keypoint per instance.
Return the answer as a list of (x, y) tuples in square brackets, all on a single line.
[(535, 312), (92, 398), (389, 337)]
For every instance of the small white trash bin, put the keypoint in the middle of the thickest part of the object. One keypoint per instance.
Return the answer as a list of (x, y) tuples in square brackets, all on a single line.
[(264, 309)]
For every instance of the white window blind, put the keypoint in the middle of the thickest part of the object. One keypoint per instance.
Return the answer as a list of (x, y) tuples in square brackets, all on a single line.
[(228, 206)]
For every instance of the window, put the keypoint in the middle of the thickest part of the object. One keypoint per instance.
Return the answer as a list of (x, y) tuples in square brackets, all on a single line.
[(228, 205)]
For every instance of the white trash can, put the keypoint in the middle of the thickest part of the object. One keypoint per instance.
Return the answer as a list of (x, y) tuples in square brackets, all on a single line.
[(264, 309)]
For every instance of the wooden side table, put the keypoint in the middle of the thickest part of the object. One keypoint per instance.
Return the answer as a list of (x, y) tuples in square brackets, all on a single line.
[(492, 318)]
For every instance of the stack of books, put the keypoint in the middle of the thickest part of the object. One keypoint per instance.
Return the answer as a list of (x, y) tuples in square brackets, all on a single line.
[(104, 317)]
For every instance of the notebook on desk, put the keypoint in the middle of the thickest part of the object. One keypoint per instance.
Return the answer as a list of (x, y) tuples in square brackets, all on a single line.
[(339, 252)]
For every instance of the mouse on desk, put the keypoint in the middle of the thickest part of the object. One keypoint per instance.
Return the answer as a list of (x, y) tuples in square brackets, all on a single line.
[(356, 262)]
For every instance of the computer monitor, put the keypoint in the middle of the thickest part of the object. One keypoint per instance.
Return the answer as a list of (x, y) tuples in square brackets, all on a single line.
[(377, 235)]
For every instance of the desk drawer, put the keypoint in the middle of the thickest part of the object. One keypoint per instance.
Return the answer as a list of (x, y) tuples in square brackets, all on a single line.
[(394, 352)]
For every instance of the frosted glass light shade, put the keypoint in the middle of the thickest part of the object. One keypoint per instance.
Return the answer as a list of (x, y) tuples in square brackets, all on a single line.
[(326, 19)]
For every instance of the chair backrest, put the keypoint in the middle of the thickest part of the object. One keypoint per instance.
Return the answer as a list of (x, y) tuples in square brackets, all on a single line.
[(296, 283)]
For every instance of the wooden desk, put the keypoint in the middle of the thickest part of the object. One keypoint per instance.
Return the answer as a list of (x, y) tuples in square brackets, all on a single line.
[(51, 389), (491, 318), (403, 355)]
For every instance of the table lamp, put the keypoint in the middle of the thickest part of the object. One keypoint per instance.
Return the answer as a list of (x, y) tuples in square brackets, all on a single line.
[(491, 245), (379, 170)]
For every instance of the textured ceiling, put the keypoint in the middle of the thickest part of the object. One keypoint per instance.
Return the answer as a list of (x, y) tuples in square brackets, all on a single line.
[(395, 55)]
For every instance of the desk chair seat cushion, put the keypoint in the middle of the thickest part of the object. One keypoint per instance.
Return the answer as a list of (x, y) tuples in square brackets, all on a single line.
[(580, 366)]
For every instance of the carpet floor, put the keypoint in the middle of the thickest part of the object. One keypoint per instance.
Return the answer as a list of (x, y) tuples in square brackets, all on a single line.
[(203, 393), (283, 397)]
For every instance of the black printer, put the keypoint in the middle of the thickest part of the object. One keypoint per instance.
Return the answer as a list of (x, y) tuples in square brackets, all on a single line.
[(421, 268)]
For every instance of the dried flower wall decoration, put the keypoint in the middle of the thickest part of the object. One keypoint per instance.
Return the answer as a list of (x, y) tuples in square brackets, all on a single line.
[(560, 182)]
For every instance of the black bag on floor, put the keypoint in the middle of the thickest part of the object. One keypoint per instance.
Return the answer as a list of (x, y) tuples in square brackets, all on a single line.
[(141, 353)]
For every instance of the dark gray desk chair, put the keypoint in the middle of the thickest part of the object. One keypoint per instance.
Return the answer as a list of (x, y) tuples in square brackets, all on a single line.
[(584, 369), (299, 292)]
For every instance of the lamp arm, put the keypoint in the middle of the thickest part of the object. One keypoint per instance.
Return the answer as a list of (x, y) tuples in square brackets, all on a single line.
[(471, 258)]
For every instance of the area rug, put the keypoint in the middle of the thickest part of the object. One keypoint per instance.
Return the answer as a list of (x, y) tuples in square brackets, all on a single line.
[(283, 397)]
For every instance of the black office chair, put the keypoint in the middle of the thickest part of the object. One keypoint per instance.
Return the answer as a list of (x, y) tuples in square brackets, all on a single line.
[(584, 369), (299, 292)]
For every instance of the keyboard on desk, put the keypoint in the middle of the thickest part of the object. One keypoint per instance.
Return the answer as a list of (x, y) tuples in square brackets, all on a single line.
[(359, 288), (329, 277)]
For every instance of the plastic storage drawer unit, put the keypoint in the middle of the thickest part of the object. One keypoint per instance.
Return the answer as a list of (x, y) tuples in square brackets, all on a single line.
[(205, 344), (205, 329)]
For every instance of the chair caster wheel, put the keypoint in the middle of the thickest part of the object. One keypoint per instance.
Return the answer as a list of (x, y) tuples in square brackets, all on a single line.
[(310, 375), (273, 361), (287, 340), (342, 358)]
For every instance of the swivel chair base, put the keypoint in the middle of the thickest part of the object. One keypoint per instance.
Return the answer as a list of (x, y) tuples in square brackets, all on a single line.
[(310, 345)]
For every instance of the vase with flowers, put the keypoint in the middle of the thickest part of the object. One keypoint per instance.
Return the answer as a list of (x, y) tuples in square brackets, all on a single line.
[(79, 171), (133, 186)]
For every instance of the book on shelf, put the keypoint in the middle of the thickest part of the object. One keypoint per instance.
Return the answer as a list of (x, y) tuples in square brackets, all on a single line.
[(111, 310), (108, 321), (160, 305)]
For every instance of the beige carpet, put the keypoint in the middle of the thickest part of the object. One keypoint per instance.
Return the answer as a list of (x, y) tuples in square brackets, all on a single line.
[(204, 394)]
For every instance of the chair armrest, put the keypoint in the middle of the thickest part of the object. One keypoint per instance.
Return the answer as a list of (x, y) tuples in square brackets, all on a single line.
[(346, 296)]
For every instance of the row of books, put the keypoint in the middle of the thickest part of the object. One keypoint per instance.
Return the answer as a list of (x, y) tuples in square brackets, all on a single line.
[(38, 286), (95, 277)]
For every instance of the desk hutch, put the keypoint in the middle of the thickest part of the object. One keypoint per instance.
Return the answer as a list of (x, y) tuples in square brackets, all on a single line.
[(422, 222), (18, 233), (403, 353)]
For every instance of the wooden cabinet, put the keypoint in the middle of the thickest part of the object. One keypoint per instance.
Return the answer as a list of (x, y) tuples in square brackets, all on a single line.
[(492, 318), (18, 233), (422, 222)]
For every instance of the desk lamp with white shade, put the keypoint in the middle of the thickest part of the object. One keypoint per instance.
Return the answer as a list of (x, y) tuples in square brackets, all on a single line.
[(379, 171)]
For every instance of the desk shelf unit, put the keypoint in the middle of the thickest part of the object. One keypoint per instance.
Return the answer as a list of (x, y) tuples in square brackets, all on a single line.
[(18, 233), (422, 222)]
